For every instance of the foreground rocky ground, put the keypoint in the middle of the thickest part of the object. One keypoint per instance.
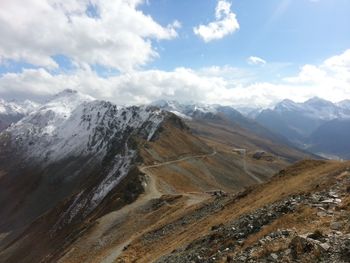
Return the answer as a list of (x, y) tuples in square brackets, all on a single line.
[(320, 231)]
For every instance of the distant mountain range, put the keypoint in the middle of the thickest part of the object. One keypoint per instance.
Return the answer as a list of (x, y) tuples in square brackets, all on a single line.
[(312, 125)]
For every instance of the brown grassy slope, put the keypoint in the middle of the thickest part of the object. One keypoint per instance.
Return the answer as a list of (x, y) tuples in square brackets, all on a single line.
[(304, 177), (224, 170), (190, 178), (230, 134), (174, 141)]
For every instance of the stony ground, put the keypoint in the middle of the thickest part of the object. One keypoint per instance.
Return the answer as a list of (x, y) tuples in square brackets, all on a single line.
[(319, 231)]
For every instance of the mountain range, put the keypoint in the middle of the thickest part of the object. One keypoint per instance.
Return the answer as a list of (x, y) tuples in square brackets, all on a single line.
[(85, 180), (312, 125)]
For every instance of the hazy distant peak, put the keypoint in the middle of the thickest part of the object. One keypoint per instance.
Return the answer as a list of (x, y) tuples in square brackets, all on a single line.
[(317, 101), (344, 104)]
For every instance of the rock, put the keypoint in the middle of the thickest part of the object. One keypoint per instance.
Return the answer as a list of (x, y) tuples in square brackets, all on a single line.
[(325, 246), (333, 194), (328, 201), (242, 258), (288, 251), (300, 246), (304, 248), (216, 227), (336, 225), (321, 214), (274, 256), (285, 233), (317, 235)]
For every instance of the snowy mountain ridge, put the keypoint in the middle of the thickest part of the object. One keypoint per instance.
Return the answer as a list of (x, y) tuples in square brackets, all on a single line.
[(74, 124), (316, 108), (185, 110)]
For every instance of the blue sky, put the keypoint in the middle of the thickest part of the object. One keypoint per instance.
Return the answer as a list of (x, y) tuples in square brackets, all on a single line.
[(284, 31), (136, 51)]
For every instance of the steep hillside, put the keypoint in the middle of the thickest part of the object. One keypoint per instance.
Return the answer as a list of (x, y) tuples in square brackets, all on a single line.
[(301, 215), (62, 161)]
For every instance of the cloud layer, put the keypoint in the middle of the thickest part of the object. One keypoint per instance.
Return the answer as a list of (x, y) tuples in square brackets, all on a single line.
[(117, 35), (110, 33), (224, 85), (225, 23)]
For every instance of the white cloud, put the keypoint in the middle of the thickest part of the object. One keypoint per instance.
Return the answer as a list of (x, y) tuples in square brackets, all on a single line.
[(224, 85), (225, 23), (119, 36), (252, 60)]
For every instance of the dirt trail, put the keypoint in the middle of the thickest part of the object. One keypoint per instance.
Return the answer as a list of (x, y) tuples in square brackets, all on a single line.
[(97, 236), (152, 192), (244, 151)]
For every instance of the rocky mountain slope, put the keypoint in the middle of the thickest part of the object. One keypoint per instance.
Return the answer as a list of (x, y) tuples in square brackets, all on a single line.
[(301, 215), (299, 122)]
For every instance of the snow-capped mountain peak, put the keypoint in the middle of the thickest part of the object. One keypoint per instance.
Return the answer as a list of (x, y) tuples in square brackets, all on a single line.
[(65, 102), (344, 104), (287, 105), (74, 124), (316, 108), (51, 115)]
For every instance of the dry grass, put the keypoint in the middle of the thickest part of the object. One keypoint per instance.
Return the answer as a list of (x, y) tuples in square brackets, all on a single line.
[(310, 176)]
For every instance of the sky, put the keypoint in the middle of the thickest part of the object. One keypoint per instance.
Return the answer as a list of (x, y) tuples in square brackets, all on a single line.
[(245, 53)]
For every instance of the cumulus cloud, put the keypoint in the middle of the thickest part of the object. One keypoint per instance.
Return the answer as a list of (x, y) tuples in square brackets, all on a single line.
[(252, 60), (225, 23), (114, 34), (225, 85)]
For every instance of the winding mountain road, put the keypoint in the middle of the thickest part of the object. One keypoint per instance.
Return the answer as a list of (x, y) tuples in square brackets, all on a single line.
[(151, 192)]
